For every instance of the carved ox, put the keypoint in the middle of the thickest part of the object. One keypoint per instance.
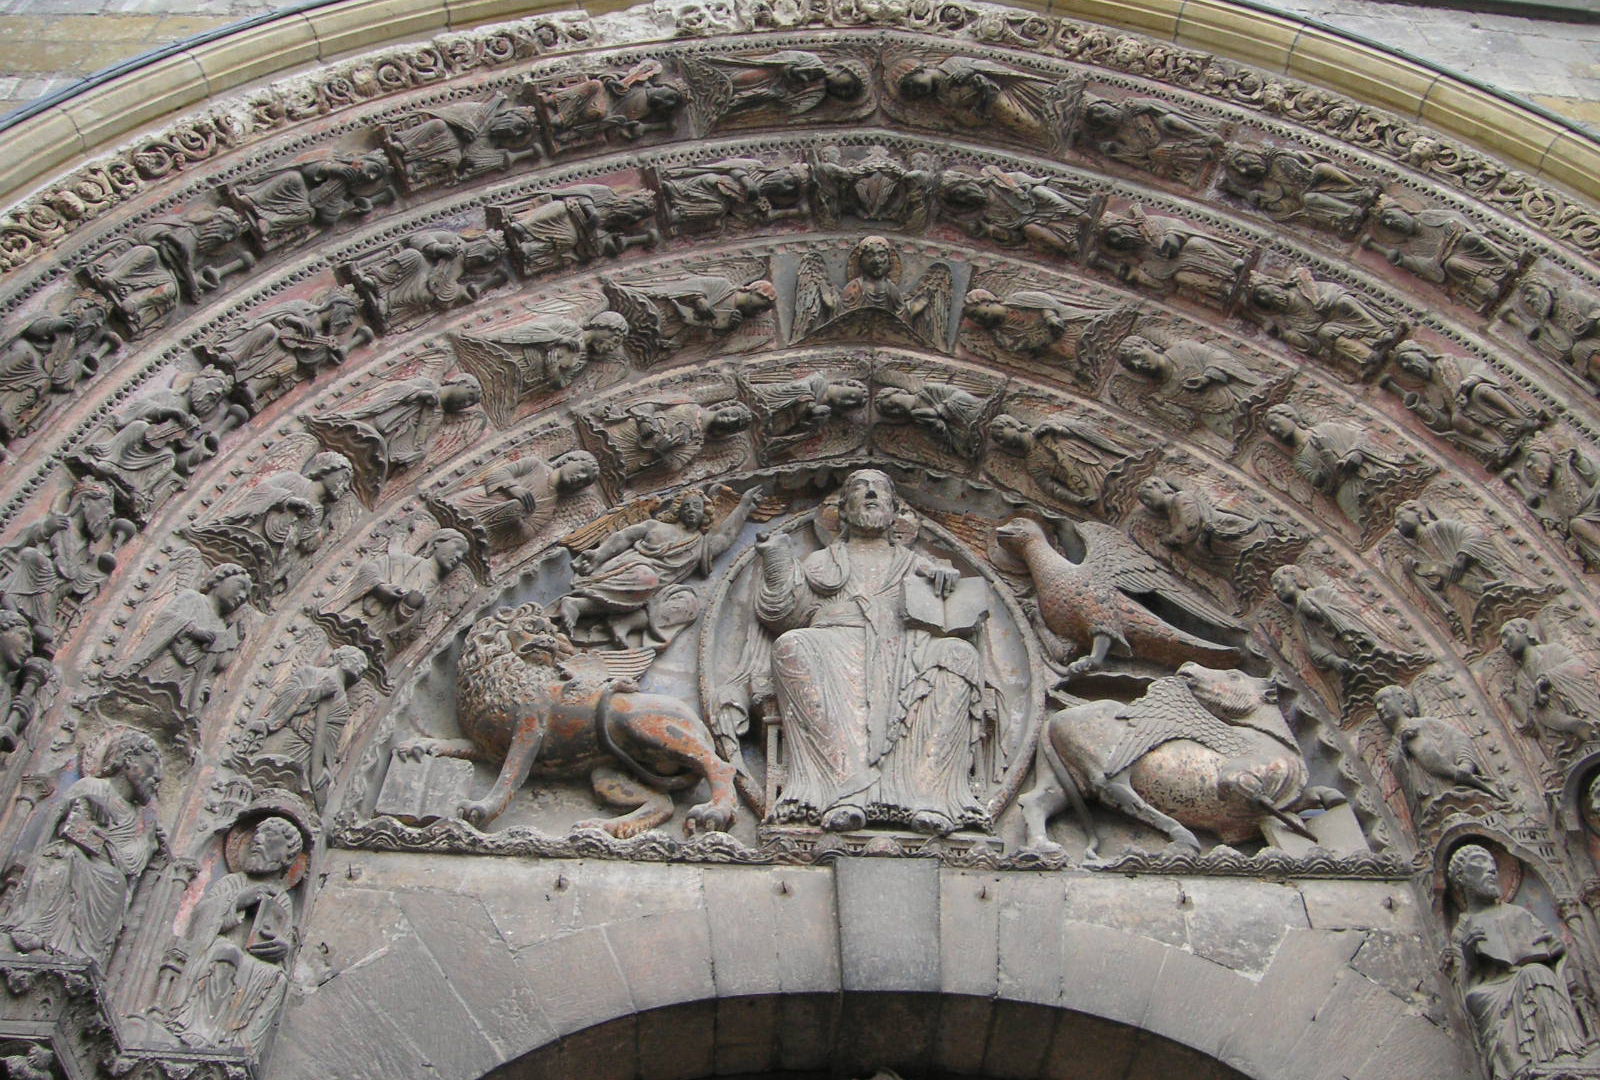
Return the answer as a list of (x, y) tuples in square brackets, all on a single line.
[(530, 702), (1206, 749)]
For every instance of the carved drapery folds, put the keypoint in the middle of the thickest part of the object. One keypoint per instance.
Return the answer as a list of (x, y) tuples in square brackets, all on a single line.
[(859, 444)]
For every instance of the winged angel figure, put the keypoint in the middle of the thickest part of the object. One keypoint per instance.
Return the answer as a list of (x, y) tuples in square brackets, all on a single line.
[(785, 83), (671, 313), (975, 93), (874, 272)]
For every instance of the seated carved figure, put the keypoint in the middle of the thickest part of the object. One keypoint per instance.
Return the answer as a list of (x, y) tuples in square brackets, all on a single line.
[(1294, 185), (1322, 318), (227, 978), (576, 224), (460, 141), (1510, 972), (51, 354), (286, 344), (96, 841), (287, 204), (1464, 399), (147, 274), (383, 605)]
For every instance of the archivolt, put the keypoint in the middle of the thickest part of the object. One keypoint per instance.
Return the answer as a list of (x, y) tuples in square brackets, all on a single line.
[(1047, 193)]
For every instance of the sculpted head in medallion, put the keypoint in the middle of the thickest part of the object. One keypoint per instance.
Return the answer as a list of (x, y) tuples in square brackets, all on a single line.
[(868, 504)]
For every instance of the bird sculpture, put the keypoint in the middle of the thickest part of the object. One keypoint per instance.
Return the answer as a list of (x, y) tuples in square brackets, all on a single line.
[(1093, 607)]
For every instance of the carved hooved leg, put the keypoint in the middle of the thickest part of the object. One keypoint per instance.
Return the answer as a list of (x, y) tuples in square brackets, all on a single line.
[(616, 788), (1122, 796), (1043, 801), (412, 749), (513, 774)]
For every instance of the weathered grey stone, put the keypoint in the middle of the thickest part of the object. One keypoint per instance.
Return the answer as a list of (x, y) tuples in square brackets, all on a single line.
[(807, 1030), (608, 1051), (1030, 967), (1150, 907), (1239, 923), (1400, 963), (1302, 974), (480, 968), (1109, 973), (1343, 905), (1188, 996), (969, 932), (1338, 1039), (885, 1030), (1418, 1049), (889, 924), (577, 980), (807, 930), (664, 958)]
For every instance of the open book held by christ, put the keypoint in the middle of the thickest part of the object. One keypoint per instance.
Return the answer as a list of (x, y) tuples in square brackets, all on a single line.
[(958, 615)]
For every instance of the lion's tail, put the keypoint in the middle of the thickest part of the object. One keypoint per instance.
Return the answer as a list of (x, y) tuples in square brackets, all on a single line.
[(605, 719)]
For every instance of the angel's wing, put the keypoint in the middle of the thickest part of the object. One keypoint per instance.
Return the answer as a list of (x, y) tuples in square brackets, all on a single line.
[(1111, 555), (600, 665), (815, 298), (710, 86), (620, 518), (496, 371), (930, 303), (1097, 345), (645, 338)]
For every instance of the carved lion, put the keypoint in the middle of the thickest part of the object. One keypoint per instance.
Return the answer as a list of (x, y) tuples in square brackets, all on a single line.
[(530, 701)]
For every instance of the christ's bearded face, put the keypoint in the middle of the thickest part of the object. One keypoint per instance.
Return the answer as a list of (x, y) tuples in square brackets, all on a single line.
[(869, 503)]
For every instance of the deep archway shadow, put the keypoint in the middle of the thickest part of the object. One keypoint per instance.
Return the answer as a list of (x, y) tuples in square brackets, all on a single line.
[(850, 1036)]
